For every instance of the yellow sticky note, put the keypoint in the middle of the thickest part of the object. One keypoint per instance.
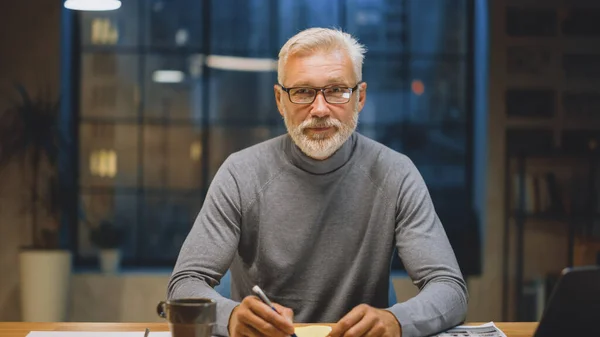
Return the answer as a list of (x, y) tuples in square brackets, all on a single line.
[(313, 331)]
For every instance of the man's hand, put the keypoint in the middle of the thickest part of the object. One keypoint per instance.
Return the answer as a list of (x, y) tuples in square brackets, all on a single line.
[(253, 318), (367, 321)]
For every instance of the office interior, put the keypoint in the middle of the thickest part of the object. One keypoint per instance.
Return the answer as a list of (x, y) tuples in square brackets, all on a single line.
[(134, 109)]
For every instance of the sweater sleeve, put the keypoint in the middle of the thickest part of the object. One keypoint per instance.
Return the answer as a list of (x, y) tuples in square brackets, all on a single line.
[(429, 260), (209, 248)]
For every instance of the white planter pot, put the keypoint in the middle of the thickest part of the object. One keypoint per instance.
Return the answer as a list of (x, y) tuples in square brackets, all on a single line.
[(44, 278), (110, 259)]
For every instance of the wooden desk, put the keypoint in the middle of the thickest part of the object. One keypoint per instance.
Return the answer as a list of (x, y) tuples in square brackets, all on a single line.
[(21, 329)]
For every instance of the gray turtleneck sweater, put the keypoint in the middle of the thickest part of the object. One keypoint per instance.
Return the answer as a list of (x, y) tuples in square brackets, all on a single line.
[(318, 236)]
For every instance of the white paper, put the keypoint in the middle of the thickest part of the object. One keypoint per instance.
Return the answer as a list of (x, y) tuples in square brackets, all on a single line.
[(98, 334), (484, 330)]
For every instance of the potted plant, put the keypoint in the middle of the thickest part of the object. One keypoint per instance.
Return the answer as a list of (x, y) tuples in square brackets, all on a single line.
[(29, 135), (107, 238)]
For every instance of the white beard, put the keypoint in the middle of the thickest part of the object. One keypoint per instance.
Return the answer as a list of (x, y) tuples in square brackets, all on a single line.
[(316, 146)]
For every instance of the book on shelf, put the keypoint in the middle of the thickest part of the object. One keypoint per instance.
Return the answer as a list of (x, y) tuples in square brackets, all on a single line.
[(541, 194)]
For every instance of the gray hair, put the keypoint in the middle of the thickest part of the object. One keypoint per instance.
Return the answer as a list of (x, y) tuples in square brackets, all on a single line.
[(322, 39)]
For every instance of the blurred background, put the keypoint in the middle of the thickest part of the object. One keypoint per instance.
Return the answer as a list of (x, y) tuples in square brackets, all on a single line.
[(113, 123)]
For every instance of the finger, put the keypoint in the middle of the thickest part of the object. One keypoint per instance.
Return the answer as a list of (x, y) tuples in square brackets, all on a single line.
[(250, 331), (243, 318), (348, 321), (269, 315), (257, 326), (377, 330), (285, 311), (362, 327)]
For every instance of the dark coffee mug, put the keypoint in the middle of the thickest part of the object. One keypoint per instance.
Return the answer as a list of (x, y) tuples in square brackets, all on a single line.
[(189, 317)]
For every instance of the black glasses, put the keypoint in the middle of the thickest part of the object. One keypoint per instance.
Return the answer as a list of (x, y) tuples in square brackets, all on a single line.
[(332, 94)]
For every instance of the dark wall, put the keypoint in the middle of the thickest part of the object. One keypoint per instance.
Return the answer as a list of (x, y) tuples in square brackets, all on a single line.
[(29, 54), (30, 42)]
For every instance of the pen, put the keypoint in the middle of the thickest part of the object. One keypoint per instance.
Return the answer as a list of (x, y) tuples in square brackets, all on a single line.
[(264, 298)]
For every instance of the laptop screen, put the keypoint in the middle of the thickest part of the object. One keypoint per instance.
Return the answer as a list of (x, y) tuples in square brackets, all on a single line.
[(574, 305)]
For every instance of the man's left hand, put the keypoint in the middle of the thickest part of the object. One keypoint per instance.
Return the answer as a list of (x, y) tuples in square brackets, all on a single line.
[(367, 321)]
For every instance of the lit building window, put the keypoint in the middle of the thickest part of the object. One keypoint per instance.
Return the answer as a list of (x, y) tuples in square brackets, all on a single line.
[(104, 32), (195, 151), (103, 163)]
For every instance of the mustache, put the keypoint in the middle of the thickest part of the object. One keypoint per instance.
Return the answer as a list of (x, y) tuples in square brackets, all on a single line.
[(321, 123)]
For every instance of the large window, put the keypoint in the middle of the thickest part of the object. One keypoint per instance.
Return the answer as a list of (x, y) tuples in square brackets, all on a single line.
[(168, 89)]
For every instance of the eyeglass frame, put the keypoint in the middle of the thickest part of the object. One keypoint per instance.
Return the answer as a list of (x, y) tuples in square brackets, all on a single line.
[(322, 90)]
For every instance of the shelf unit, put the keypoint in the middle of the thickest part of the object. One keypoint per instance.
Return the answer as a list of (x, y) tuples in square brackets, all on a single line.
[(579, 223), (550, 77)]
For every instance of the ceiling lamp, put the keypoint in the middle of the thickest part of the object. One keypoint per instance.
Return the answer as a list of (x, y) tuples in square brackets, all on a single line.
[(93, 5)]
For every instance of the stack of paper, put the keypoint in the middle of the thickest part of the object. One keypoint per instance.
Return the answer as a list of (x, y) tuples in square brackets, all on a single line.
[(484, 330)]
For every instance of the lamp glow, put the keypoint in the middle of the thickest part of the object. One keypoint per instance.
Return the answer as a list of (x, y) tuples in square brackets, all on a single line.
[(168, 76), (241, 63), (93, 5)]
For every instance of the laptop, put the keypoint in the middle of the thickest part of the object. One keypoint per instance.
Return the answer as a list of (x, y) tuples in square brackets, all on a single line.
[(573, 308)]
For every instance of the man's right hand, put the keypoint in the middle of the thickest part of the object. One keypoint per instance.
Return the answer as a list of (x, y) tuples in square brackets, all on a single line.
[(253, 318)]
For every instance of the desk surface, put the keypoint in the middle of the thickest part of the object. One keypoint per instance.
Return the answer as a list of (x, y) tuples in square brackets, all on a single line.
[(21, 329)]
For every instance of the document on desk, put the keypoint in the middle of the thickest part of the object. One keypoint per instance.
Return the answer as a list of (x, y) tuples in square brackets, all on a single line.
[(97, 334), (484, 330)]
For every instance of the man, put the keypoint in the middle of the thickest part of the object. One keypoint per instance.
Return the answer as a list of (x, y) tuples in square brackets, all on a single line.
[(313, 217)]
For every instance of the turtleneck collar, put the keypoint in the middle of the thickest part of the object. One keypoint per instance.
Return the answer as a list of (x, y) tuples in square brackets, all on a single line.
[(306, 163)]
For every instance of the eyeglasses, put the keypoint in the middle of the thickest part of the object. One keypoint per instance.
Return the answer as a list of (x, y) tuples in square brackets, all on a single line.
[(307, 95)]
